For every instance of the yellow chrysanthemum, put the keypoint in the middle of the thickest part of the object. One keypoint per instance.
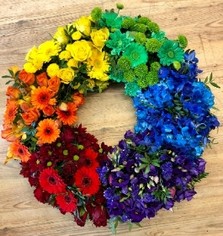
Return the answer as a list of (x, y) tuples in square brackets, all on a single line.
[(83, 24), (52, 70), (33, 65), (60, 36), (48, 49)]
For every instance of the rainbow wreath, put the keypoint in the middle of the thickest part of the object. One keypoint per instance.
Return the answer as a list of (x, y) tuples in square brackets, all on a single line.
[(155, 165)]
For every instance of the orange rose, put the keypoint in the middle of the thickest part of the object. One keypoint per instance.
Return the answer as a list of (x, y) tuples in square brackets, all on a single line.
[(78, 99), (27, 78), (42, 79), (13, 92), (54, 84), (30, 116), (48, 110)]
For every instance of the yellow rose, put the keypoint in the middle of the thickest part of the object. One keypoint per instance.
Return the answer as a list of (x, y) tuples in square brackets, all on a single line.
[(66, 75), (99, 37), (61, 36), (76, 35), (52, 70), (72, 63), (83, 25), (65, 55), (79, 50)]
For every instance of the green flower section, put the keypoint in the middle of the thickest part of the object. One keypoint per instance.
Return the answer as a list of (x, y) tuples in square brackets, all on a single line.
[(170, 52), (137, 49)]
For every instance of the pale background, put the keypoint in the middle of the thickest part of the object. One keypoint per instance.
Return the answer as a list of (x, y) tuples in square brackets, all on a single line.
[(24, 23)]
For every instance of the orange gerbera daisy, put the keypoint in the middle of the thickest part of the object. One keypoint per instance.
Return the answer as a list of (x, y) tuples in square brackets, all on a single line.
[(67, 113), (47, 131), (10, 113), (42, 97), (19, 151)]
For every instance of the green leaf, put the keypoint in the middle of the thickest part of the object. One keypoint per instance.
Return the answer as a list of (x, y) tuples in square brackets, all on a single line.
[(215, 85), (6, 76)]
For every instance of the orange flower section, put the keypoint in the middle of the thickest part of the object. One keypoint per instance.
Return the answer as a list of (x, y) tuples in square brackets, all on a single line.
[(42, 97), (47, 131)]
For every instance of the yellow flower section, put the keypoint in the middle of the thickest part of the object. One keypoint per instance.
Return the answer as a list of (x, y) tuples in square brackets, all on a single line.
[(75, 55)]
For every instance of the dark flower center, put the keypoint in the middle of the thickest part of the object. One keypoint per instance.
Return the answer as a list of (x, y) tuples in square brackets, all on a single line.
[(67, 199), (20, 150), (52, 180), (48, 131), (44, 98), (86, 181)]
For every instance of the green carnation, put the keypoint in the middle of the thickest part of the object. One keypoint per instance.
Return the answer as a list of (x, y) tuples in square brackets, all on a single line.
[(118, 42), (170, 52), (155, 66), (136, 54), (131, 89), (111, 19)]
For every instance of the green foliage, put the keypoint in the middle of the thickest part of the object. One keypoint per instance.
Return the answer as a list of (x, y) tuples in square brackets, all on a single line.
[(209, 80), (162, 194), (198, 179)]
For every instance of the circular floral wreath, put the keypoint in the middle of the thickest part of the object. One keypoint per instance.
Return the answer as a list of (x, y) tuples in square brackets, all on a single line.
[(153, 166)]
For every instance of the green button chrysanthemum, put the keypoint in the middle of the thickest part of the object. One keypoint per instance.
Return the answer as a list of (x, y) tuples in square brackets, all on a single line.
[(136, 54), (170, 52)]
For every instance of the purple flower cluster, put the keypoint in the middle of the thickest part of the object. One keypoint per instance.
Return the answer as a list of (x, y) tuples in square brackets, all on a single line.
[(137, 187)]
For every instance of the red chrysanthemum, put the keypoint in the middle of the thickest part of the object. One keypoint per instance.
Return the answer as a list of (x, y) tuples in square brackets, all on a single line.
[(66, 202), (87, 180), (51, 182)]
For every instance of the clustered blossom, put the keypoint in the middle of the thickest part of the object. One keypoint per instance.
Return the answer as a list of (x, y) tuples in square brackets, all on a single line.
[(134, 192), (65, 175), (155, 165)]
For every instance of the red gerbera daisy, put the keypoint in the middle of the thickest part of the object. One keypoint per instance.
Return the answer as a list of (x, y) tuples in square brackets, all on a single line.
[(51, 182), (87, 180), (66, 202)]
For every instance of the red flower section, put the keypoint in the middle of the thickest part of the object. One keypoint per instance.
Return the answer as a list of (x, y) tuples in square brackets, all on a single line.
[(51, 182), (87, 180), (66, 202), (81, 220)]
